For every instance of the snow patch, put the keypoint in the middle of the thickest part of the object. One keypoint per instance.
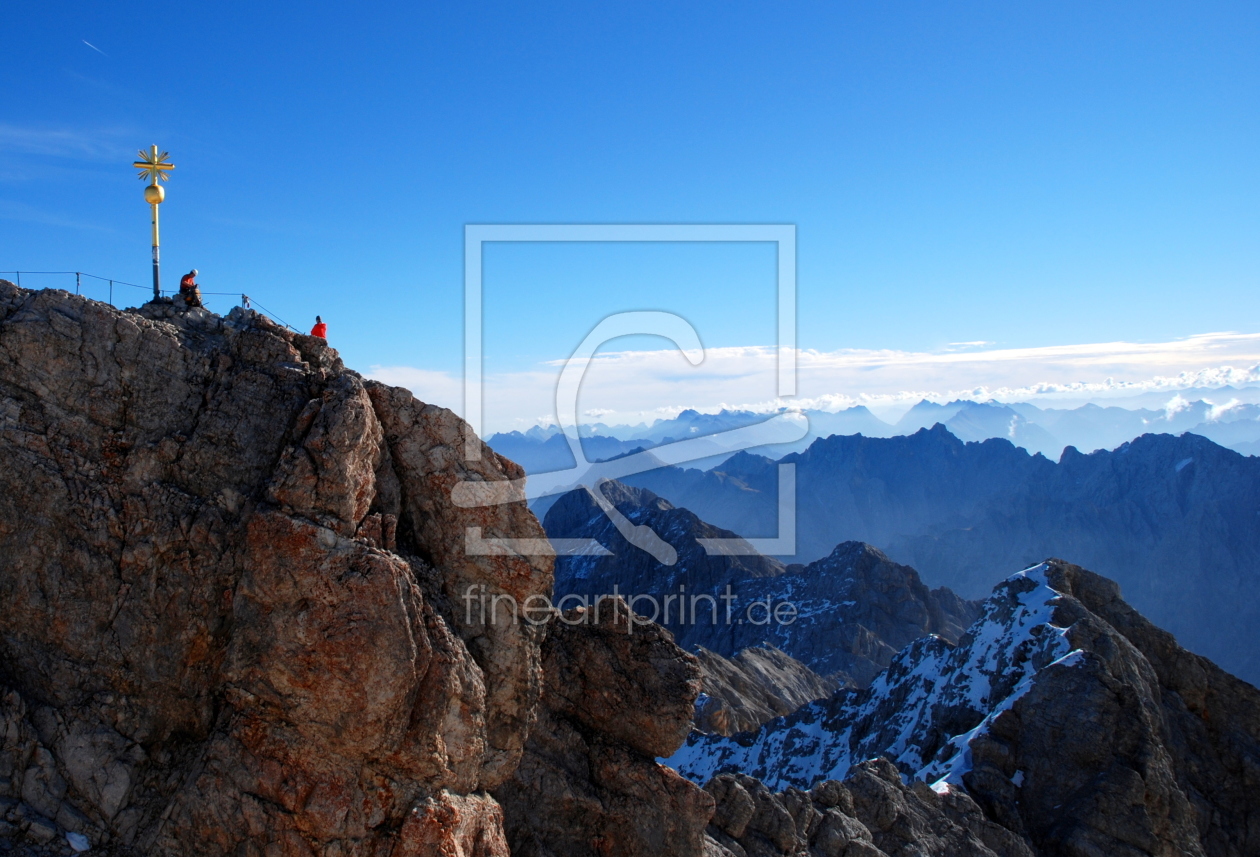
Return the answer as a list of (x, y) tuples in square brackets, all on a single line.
[(928, 684)]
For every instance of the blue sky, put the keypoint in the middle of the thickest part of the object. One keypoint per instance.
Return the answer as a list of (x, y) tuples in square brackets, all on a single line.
[(1027, 175)]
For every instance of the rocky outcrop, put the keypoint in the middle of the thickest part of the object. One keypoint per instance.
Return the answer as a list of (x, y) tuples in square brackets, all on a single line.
[(870, 814), (1142, 748), (229, 572), (618, 694), (1069, 718), (854, 609), (756, 685)]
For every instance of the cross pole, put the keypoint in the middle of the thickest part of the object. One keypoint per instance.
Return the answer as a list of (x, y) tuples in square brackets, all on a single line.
[(154, 167)]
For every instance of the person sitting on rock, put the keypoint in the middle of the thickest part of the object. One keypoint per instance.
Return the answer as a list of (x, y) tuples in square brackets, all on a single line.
[(189, 292), (320, 329)]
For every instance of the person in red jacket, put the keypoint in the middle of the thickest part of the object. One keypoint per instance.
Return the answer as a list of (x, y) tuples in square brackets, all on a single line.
[(189, 292), (320, 329)]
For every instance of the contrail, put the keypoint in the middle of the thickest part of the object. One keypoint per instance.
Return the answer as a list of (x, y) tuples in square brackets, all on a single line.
[(95, 48)]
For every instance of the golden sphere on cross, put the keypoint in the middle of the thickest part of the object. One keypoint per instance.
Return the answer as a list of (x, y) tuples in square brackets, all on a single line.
[(154, 194)]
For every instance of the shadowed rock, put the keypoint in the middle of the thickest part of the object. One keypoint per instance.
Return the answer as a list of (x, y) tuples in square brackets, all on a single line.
[(870, 814), (855, 608), (617, 696)]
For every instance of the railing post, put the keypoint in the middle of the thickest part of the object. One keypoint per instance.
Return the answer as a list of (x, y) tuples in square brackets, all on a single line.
[(19, 276), (77, 277), (111, 292)]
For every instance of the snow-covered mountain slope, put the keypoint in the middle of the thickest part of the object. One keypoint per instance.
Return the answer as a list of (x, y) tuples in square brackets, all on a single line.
[(920, 712), (1067, 716)]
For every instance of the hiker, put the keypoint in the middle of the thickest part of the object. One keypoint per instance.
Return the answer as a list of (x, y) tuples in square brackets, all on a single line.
[(188, 289), (320, 329)]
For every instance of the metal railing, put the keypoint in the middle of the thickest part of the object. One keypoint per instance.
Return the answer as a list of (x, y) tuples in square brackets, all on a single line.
[(246, 300)]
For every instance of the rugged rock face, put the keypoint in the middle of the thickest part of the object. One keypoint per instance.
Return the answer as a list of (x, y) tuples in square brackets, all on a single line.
[(855, 608), (618, 694), (1067, 716), (229, 572), (756, 685), (1170, 762), (871, 814)]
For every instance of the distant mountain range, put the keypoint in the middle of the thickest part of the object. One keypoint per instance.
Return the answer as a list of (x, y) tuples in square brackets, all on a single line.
[(1174, 520), (1071, 720), (1231, 418)]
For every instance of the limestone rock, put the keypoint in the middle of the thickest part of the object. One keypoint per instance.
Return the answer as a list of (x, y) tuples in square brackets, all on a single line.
[(616, 696), (426, 451), (448, 825), (758, 684), (1143, 748), (228, 580), (871, 813)]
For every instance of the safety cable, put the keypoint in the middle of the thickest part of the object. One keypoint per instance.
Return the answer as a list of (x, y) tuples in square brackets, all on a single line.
[(245, 299)]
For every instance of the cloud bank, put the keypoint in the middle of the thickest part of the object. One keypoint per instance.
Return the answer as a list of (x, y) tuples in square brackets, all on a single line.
[(628, 387)]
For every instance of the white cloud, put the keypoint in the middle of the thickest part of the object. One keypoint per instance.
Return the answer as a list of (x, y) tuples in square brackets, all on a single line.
[(633, 386), (1218, 411), (1174, 406), (438, 388)]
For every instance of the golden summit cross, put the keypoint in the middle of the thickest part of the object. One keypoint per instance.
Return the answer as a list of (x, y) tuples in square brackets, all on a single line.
[(153, 166)]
